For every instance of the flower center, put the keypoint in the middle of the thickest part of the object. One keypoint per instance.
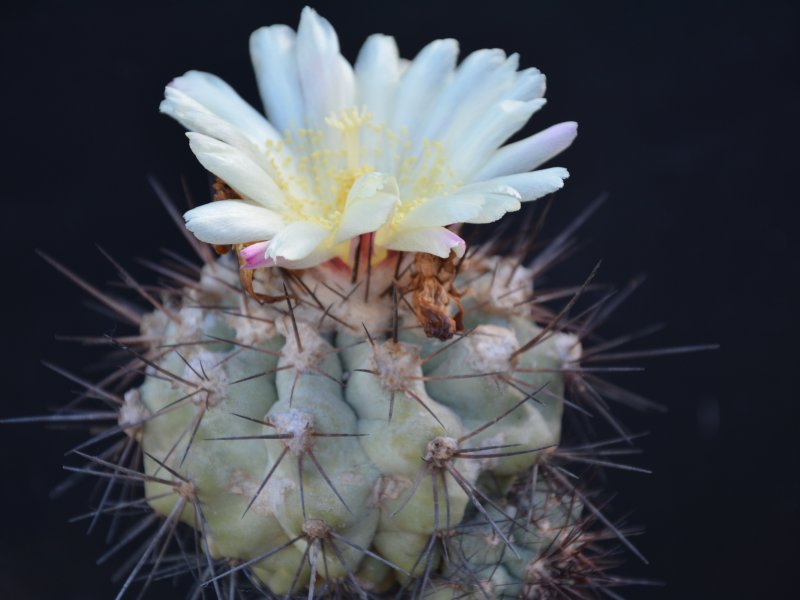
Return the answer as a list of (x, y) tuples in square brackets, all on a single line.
[(316, 168)]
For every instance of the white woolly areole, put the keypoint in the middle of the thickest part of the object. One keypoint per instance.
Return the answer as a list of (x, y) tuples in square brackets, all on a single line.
[(189, 328), (569, 348), (491, 349), (504, 286), (440, 449), (312, 347), (253, 324), (154, 325), (359, 309), (219, 277), (316, 529), (535, 572), (203, 370), (396, 364), (133, 412), (299, 424)]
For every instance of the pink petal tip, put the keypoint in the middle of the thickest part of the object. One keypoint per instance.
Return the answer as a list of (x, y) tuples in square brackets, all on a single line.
[(255, 256)]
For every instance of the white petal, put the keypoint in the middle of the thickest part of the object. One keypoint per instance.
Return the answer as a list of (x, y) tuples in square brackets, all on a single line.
[(318, 256), (444, 210), (236, 169), (256, 257), (272, 50), (326, 78), (499, 199), (377, 71), (530, 84), (488, 75), (433, 240), (420, 85), (487, 93), (297, 241), (495, 127), (232, 222), (220, 99), (370, 204), (470, 81), (195, 117), (531, 152), (495, 207), (535, 184)]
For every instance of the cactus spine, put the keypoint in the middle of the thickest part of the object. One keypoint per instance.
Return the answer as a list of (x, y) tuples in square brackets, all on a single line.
[(325, 443)]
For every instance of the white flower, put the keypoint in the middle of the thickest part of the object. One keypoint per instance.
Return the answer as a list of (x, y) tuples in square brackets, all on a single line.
[(401, 149)]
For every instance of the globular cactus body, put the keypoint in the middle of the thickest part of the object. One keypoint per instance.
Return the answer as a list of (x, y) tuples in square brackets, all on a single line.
[(333, 424)]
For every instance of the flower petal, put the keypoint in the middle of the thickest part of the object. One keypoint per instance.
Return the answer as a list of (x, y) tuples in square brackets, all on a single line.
[(317, 257), (273, 52), (297, 240), (535, 184), (474, 79), (232, 222), (195, 117), (377, 71), (498, 123), (237, 169), (255, 256), (326, 78), (531, 152), (498, 199), (433, 240), (529, 85), (220, 99), (420, 84), (370, 203), (443, 210)]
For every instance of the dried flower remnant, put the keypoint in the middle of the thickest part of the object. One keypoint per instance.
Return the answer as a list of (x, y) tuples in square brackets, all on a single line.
[(433, 291)]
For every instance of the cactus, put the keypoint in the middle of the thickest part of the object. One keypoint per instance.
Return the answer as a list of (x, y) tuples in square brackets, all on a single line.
[(330, 425), (348, 402)]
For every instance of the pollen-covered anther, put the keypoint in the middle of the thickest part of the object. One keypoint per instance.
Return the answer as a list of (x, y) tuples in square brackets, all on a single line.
[(298, 426), (396, 364), (440, 449)]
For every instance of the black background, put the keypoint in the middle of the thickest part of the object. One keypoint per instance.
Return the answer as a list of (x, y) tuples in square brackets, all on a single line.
[(688, 117)]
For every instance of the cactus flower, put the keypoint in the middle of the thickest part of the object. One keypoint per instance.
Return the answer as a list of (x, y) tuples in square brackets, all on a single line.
[(399, 149)]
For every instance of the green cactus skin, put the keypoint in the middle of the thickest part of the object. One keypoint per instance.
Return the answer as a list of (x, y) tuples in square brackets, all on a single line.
[(325, 441), (323, 446)]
